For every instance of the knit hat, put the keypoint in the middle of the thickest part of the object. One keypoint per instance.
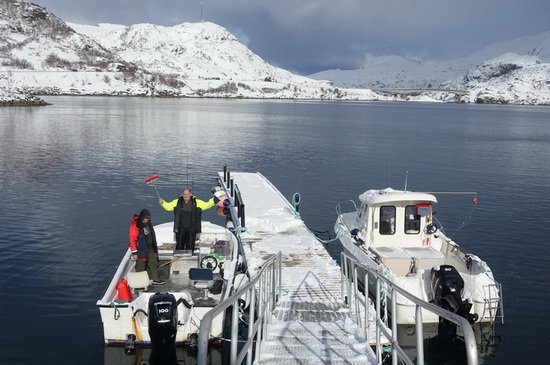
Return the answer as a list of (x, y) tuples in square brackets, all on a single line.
[(144, 213)]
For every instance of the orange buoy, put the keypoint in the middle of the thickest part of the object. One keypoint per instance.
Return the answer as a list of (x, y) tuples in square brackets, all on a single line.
[(124, 290)]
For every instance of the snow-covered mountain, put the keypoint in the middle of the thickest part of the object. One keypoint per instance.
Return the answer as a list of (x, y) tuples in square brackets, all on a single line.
[(526, 60), (42, 54), (398, 71)]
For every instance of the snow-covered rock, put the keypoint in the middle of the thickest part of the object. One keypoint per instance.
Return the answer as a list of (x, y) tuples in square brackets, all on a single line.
[(32, 38), (13, 98)]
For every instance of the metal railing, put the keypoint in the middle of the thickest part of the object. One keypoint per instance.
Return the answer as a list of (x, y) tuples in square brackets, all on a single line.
[(360, 303), (237, 207), (263, 291)]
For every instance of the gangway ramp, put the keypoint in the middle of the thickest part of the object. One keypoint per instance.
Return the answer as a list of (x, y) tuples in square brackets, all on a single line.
[(310, 324)]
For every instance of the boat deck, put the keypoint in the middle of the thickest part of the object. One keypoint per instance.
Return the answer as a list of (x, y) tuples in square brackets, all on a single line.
[(175, 274), (310, 325)]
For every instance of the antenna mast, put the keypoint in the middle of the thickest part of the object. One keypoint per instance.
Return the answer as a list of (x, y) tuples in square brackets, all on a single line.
[(187, 166)]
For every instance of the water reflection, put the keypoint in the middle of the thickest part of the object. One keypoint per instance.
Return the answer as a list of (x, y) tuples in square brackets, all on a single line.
[(442, 348), (146, 356)]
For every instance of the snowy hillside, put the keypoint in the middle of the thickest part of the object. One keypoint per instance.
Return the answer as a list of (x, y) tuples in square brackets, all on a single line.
[(191, 50), (506, 79), (43, 55), (394, 72)]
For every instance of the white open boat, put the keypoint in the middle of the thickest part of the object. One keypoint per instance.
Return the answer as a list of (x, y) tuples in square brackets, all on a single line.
[(194, 284), (394, 232)]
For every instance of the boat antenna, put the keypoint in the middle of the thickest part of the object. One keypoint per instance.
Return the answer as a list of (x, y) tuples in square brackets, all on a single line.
[(389, 169), (187, 166), (406, 179)]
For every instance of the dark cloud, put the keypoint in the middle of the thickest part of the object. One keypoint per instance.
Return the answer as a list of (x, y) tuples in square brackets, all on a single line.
[(311, 35)]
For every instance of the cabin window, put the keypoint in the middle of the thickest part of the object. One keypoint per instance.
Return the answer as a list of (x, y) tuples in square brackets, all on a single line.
[(387, 220), (412, 220)]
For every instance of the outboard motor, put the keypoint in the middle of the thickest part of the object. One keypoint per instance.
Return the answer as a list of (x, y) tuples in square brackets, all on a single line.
[(447, 287), (163, 321)]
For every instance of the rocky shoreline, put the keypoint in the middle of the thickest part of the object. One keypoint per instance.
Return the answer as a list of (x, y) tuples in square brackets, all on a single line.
[(10, 98)]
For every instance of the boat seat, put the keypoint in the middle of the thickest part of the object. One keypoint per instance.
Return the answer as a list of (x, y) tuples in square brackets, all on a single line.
[(138, 280)]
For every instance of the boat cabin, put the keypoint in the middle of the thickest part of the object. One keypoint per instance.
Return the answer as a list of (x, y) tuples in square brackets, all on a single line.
[(392, 218)]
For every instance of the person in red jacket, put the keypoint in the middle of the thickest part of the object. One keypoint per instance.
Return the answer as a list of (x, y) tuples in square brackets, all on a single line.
[(143, 244)]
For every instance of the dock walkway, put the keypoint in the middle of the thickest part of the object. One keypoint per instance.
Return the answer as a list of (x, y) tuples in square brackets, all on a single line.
[(310, 324)]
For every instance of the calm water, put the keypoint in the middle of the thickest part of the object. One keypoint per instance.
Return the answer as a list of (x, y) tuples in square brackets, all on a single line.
[(71, 175)]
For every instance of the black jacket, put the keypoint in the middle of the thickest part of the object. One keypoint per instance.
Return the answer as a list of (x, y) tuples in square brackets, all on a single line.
[(196, 215)]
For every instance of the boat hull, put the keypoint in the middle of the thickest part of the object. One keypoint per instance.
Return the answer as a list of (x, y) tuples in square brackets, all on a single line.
[(480, 288)]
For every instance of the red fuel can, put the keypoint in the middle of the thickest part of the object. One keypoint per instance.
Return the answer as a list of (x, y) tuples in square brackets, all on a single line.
[(123, 290)]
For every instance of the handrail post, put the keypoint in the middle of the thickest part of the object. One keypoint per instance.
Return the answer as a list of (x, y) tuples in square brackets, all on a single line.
[(343, 264), (234, 332), (280, 259), (266, 305), (251, 322), (243, 223), (202, 342), (273, 287), (378, 349), (349, 284), (366, 296), (355, 294), (419, 336), (394, 326)]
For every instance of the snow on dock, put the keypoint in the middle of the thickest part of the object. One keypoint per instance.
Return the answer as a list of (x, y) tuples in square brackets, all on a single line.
[(310, 324)]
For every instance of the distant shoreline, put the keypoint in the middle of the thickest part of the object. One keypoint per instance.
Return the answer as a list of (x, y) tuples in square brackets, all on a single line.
[(22, 102)]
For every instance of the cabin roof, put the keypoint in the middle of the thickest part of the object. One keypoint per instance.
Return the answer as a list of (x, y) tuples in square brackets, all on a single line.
[(388, 195)]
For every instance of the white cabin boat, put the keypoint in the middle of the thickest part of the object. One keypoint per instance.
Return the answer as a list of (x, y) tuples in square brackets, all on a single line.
[(194, 283), (394, 232)]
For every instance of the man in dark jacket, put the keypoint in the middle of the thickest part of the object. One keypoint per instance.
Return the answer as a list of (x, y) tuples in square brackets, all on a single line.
[(187, 218), (143, 244)]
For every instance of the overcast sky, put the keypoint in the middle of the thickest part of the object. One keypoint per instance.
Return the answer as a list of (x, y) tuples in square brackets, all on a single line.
[(306, 36)]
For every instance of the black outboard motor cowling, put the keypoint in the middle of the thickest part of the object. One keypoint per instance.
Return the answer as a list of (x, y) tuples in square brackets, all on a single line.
[(447, 287), (163, 321)]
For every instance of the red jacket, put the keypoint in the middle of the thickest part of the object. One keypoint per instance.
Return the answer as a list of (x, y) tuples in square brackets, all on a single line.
[(136, 237)]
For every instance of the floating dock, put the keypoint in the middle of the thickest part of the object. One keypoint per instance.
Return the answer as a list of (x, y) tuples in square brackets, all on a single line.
[(310, 324)]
